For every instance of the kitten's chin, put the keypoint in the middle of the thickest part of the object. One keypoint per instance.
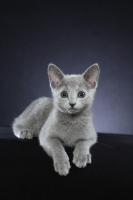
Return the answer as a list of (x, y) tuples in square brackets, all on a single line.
[(73, 111), (69, 111)]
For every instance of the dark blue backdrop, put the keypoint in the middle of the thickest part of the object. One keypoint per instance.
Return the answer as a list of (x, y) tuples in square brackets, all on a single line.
[(73, 35)]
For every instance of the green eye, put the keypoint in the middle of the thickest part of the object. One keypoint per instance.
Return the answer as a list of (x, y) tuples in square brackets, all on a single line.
[(81, 94), (64, 94)]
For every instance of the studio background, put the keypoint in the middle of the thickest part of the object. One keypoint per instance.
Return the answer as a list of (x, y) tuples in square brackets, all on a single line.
[(73, 35)]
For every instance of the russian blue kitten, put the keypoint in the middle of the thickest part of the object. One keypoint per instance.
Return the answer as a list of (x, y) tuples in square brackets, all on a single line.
[(64, 120)]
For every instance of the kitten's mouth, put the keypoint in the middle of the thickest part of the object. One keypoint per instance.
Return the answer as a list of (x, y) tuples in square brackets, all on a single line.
[(73, 110), (70, 110)]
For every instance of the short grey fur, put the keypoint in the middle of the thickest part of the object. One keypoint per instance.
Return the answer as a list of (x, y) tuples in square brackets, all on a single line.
[(65, 119)]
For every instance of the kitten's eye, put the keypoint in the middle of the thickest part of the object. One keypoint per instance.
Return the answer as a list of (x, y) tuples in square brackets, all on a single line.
[(81, 94), (64, 94)]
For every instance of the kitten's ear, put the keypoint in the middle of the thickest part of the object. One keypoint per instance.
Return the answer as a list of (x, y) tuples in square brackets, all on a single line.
[(91, 75), (55, 75)]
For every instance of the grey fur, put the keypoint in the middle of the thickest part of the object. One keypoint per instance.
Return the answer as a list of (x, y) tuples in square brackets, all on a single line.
[(58, 124)]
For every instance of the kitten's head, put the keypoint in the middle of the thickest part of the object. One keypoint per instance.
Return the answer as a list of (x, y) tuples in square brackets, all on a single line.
[(73, 93)]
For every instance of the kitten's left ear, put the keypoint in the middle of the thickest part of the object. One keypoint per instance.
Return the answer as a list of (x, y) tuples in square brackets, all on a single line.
[(55, 75), (91, 75)]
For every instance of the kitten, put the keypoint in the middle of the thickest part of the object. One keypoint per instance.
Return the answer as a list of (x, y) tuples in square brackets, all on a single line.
[(64, 120)]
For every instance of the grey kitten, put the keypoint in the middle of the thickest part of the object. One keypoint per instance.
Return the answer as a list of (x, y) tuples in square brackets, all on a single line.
[(64, 120)]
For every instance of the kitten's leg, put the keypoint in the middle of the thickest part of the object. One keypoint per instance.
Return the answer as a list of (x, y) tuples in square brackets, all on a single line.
[(55, 149), (22, 129), (81, 154), (30, 122)]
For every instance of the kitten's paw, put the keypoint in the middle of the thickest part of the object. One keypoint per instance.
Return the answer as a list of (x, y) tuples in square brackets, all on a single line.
[(25, 134), (81, 160), (62, 167)]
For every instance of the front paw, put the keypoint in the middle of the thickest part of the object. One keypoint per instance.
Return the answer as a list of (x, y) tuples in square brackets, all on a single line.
[(81, 160), (62, 167)]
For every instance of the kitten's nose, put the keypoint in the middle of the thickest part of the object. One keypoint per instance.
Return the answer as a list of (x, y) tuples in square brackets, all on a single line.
[(72, 104)]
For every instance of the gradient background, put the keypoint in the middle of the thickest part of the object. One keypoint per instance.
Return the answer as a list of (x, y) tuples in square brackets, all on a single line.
[(73, 35)]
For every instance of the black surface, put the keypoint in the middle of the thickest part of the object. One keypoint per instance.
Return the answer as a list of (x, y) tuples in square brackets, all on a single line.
[(26, 172), (73, 35)]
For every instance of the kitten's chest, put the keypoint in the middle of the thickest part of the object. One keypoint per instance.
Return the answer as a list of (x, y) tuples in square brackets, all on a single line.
[(73, 129)]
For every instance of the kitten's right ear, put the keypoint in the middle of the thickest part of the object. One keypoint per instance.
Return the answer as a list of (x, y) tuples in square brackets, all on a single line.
[(55, 75)]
